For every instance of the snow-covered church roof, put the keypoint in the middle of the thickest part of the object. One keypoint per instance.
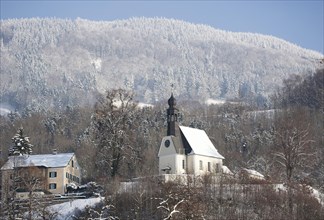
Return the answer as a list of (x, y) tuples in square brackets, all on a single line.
[(39, 160), (200, 142)]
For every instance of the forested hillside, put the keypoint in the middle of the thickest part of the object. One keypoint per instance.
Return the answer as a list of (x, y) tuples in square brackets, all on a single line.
[(48, 63)]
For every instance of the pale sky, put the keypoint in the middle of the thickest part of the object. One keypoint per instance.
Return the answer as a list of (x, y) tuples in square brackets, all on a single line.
[(297, 21)]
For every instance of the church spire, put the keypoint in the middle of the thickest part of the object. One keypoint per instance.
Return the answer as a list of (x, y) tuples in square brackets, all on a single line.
[(172, 116)]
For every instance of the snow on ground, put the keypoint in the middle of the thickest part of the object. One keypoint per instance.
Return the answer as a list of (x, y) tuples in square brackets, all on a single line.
[(318, 195), (215, 102), (67, 209), (140, 105), (96, 64), (4, 111), (314, 192), (144, 105), (265, 113), (6, 108)]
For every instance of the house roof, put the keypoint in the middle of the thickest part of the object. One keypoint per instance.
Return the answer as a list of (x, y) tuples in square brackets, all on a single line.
[(226, 170), (200, 142), (42, 160), (253, 173)]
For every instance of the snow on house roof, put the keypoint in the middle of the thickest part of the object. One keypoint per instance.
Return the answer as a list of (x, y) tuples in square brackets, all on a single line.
[(226, 170), (42, 160), (253, 173), (200, 142)]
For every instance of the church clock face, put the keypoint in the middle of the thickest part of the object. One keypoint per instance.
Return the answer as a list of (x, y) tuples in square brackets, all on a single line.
[(167, 143)]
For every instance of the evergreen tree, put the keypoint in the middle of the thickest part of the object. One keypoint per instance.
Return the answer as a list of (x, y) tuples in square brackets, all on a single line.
[(21, 144)]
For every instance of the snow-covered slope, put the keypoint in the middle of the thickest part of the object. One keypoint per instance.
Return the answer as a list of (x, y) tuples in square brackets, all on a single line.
[(54, 62), (67, 210)]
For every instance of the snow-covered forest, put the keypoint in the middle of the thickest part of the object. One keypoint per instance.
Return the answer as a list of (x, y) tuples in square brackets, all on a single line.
[(67, 62)]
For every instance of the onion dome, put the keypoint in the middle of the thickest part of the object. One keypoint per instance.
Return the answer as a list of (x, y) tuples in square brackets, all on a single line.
[(172, 101)]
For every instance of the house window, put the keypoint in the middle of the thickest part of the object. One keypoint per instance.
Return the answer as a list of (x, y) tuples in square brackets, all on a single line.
[(52, 186), (52, 174), (67, 175), (217, 168), (183, 164), (200, 165), (72, 164), (209, 167)]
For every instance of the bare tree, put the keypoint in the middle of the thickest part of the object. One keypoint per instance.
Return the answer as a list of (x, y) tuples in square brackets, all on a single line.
[(113, 125), (31, 179), (293, 146), (293, 143), (170, 199), (10, 187)]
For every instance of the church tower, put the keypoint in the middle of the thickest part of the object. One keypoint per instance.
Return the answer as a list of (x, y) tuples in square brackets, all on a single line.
[(172, 116)]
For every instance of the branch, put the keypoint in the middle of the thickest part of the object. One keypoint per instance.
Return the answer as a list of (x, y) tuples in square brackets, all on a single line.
[(174, 210)]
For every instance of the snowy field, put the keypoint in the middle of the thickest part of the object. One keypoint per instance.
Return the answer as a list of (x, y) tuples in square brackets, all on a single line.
[(66, 210)]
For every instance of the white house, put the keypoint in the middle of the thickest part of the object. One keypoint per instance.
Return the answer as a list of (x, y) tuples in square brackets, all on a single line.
[(186, 150)]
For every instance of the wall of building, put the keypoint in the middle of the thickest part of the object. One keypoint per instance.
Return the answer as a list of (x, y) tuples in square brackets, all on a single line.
[(58, 180), (25, 180), (176, 162), (64, 175), (167, 161), (181, 164), (166, 150), (185, 164), (72, 173), (191, 164), (198, 165), (169, 158), (5, 184)]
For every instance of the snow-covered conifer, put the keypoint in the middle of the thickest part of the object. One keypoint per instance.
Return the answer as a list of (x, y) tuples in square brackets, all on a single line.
[(21, 144)]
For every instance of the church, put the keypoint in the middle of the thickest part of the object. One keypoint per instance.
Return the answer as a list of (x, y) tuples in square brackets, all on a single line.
[(186, 150)]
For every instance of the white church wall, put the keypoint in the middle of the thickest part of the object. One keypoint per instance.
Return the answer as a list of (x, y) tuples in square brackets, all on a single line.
[(170, 150), (166, 162), (174, 162), (181, 164), (199, 165)]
